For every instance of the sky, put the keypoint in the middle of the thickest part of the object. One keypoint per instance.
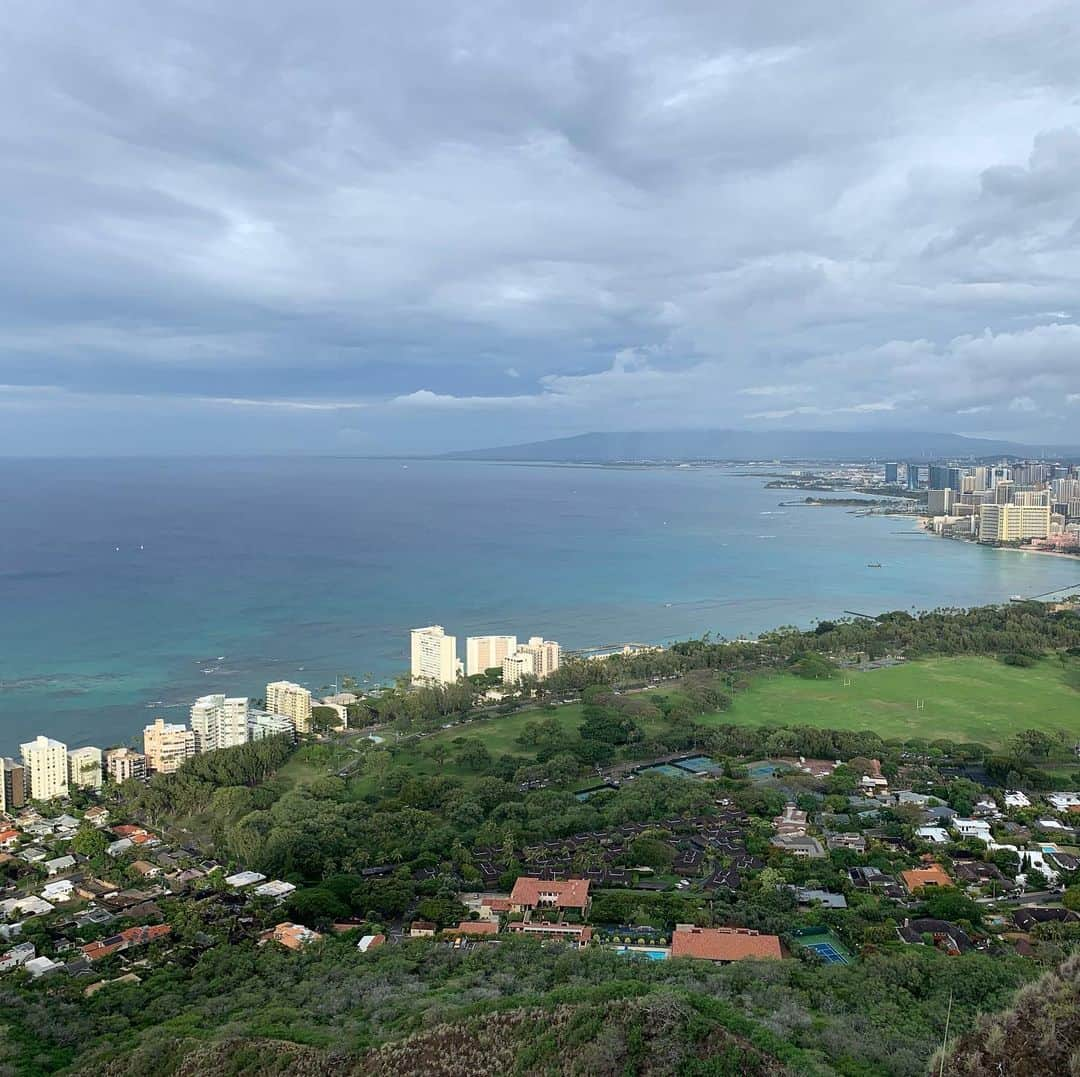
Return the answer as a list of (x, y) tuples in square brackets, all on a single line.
[(355, 228)]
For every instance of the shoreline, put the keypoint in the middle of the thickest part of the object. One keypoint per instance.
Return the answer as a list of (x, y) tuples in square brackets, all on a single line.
[(927, 527)]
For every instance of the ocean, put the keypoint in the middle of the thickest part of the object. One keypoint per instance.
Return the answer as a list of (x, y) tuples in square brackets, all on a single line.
[(129, 587)]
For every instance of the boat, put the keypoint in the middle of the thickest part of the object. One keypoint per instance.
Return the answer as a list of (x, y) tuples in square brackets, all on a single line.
[(874, 564)]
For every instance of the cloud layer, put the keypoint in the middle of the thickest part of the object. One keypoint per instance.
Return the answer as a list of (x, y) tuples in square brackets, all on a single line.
[(325, 227)]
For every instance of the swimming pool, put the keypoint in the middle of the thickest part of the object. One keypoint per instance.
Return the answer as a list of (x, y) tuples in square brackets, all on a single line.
[(641, 951)]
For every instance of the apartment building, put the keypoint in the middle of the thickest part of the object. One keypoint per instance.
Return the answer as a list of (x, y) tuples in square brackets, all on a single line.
[(263, 724), (124, 763), (13, 788), (1013, 523), (167, 746), (219, 721), (46, 766), (292, 701), (538, 658), (433, 656), (84, 768), (487, 652)]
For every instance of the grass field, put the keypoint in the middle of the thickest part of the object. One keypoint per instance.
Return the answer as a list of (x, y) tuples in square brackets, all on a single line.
[(965, 699)]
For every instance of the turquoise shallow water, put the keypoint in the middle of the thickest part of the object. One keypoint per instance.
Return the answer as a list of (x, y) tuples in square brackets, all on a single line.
[(230, 573)]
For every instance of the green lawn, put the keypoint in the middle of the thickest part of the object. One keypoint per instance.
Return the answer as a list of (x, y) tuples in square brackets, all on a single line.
[(965, 699)]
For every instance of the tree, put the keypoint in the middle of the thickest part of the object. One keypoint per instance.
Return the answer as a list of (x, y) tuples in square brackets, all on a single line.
[(89, 841), (1071, 898)]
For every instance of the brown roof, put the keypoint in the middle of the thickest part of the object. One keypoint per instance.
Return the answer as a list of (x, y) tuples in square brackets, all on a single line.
[(570, 893), (476, 927), (723, 943), (934, 875), (497, 904)]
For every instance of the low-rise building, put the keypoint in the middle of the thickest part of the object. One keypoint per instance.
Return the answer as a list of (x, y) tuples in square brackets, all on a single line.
[(530, 894), (932, 875), (577, 935), (291, 936), (803, 846), (723, 944)]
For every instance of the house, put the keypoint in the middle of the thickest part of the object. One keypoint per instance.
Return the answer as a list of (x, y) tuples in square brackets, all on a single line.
[(973, 828), (370, 942), (936, 835), (1064, 802), (723, 944), (977, 872), (791, 821), (942, 814), (9, 838), (145, 869), (577, 935), (475, 928), (276, 888), (491, 908), (59, 864), (291, 936), (124, 940), (41, 966), (855, 843), (119, 847), (59, 890), (33, 854), (422, 929), (90, 889), (17, 955), (530, 894), (919, 878), (244, 878), (27, 905), (1032, 916), (874, 784), (802, 846), (97, 815), (1016, 799), (947, 936), (825, 898), (138, 834), (985, 806), (907, 797)]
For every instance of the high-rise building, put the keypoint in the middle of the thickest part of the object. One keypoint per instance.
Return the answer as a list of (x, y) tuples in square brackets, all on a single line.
[(892, 473), (14, 784), (219, 721), (124, 763), (433, 656), (45, 763), (263, 724), (291, 700), (939, 502), (1003, 492), (167, 746), (538, 658), (1013, 523), (1031, 496), (914, 476), (84, 768), (487, 652)]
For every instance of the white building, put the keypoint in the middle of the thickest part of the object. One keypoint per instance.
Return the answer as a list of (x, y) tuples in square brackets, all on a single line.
[(46, 765), (487, 652), (1013, 523), (1016, 799), (433, 656), (167, 746), (263, 724), (84, 768), (538, 658), (291, 700), (936, 834), (219, 721), (973, 828)]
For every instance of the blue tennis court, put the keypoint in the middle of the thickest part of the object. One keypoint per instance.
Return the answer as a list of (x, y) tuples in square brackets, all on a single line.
[(827, 952), (699, 764)]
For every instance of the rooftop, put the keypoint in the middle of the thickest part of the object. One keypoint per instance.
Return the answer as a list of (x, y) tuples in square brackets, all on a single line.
[(723, 943)]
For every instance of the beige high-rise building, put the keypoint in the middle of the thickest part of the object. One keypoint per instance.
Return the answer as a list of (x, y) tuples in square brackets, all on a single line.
[(124, 763), (538, 658), (487, 652), (219, 721), (46, 766), (292, 701), (84, 768), (167, 746), (433, 655), (1013, 523)]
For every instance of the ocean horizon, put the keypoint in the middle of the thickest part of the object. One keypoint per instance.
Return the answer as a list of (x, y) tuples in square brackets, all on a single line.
[(129, 587)]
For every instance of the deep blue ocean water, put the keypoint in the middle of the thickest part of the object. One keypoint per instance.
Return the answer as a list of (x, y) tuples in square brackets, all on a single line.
[(231, 573)]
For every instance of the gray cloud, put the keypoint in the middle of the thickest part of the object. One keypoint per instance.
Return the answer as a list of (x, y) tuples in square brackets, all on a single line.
[(420, 227)]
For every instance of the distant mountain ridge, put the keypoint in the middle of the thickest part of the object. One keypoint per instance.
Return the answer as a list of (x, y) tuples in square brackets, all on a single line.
[(744, 445)]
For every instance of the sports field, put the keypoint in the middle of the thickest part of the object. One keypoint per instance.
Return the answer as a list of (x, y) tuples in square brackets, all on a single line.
[(963, 699)]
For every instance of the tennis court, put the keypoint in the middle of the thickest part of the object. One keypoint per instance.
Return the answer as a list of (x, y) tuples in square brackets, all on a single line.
[(699, 764), (824, 943), (827, 952)]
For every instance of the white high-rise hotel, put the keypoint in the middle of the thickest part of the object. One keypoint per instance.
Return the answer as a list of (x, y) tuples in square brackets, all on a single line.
[(487, 652), (291, 700), (434, 656), (219, 721), (46, 763), (537, 658)]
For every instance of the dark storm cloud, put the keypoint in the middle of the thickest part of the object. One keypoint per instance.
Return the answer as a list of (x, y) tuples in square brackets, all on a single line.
[(285, 225)]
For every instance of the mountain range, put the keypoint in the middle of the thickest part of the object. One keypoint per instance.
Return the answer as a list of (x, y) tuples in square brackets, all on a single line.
[(745, 445)]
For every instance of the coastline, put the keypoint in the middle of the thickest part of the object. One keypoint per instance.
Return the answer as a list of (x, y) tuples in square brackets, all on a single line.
[(926, 525)]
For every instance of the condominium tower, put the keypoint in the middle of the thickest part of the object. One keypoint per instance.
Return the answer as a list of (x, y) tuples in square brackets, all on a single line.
[(1013, 523), (434, 656), (13, 785), (167, 746), (487, 652), (538, 658), (219, 721), (46, 765), (292, 701), (124, 763), (84, 768)]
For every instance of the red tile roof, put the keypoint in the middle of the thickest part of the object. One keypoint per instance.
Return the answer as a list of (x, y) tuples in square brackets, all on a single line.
[(723, 943), (475, 927), (8, 835), (934, 875), (569, 894), (133, 936)]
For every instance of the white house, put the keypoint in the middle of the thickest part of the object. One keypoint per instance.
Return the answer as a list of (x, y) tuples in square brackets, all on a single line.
[(1016, 799), (1063, 801), (59, 890), (61, 863), (973, 828), (936, 834), (245, 878)]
